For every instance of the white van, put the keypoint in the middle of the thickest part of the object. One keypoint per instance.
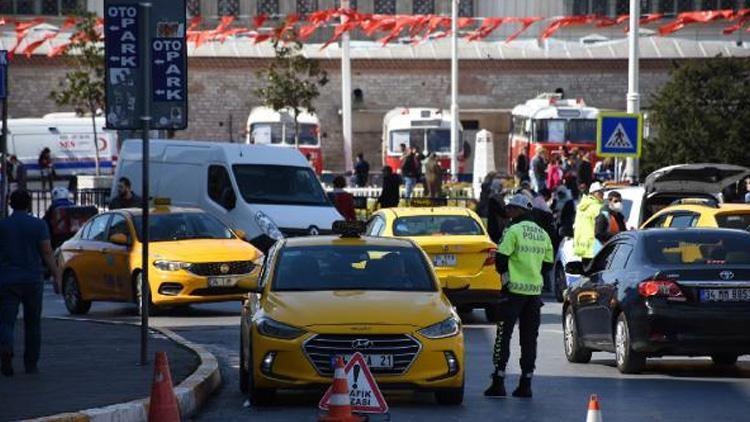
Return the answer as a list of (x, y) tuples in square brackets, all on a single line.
[(69, 138), (267, 192)]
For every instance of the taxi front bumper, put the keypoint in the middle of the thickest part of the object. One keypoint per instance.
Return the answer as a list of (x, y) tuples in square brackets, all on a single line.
[(294, 364), (182, 287)]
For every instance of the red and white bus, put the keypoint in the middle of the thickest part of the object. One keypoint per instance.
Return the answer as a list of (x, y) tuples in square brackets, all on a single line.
[(551, 122), (427, 129), (266, 126)]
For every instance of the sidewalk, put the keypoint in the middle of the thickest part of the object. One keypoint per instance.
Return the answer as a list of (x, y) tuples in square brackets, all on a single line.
[(84, 365)]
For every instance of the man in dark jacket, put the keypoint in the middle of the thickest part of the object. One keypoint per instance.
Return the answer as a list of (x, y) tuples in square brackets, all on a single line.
[(610, 221), (390, 195), (362, 171), (585, 170)]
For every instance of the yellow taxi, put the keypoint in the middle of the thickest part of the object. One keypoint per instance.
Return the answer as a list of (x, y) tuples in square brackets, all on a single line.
[(459, 248), (325, 297), (195, 259), (701, 213)]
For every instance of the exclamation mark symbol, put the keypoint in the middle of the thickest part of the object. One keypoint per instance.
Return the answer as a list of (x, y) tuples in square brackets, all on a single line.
[(356, 376)]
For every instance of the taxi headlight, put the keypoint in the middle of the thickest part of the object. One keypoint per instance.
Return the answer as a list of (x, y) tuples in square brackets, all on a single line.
[(271, 328), (267, 226), (165, 265), (448, 328)]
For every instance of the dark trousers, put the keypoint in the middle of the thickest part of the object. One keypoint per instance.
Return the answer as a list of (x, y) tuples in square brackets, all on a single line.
[(11, 297), (527, 311)]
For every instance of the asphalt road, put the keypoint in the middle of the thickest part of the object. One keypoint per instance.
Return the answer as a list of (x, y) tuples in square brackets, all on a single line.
[(674, 389)]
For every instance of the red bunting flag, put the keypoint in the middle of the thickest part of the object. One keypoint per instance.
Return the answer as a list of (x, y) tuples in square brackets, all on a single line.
[(560, 23), (742, 17), (488, 27), (259, 20), (684, 19), (195, 22), (58, 50)]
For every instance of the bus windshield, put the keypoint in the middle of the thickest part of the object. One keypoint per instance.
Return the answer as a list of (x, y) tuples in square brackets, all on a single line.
[(273, 133), (435, 140), (558, 131)]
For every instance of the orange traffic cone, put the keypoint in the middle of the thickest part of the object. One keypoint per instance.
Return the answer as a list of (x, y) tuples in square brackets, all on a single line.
[(594, 414), (339, 405), (163, 405)]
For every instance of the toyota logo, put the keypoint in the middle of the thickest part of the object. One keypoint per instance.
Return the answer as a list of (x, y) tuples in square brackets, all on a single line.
[(361, 344), (726, 275), (224, 268)]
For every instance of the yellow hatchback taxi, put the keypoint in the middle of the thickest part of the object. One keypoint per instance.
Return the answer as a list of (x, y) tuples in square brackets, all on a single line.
[(701, 213), (459, 247), (195, 259), (326, 297)]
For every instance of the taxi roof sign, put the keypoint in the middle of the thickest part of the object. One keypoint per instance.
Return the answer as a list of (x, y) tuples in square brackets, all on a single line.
[(364, 393), (162, 202), (349, 229)]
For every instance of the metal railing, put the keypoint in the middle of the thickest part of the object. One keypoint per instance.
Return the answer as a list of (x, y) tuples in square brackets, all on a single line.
[(99, 198)]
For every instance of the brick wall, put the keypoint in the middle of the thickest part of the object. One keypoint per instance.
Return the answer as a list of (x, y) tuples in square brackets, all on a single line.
[(221, 93)]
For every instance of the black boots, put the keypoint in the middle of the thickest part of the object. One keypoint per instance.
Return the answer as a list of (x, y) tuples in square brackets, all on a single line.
[(497, 389), (6, 364), (524, 387)]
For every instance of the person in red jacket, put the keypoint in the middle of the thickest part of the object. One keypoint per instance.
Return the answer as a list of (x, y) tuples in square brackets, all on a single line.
[(343, 200)]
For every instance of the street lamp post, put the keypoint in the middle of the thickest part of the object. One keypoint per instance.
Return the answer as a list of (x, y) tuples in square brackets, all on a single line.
[(346, 93), (454, 90), (633, 97)]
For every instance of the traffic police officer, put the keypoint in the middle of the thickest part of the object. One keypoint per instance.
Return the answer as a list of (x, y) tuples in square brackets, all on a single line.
[(524, 252)]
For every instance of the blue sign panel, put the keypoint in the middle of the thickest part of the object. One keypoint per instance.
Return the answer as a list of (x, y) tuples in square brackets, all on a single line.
[(3, 74), (123, 76), (619, 135)]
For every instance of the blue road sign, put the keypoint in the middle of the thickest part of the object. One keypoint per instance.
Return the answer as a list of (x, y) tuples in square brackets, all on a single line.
[(3, 74), (619, 135)]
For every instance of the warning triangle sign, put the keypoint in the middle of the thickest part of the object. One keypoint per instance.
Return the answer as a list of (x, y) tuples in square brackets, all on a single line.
[(364, 393), (619, 139)]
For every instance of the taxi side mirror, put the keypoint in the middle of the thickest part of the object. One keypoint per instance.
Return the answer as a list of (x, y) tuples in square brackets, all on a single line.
[(574, 268), (241, 234), (119, 239)]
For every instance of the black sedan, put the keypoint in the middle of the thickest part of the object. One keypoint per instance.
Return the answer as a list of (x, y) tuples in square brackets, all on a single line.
[(662, 292)]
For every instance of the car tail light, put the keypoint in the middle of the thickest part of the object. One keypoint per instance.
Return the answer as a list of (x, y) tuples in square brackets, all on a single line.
[(490, 260), (661, 288)]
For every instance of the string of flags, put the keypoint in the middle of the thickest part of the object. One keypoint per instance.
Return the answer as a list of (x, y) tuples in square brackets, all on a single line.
[(387, 28)]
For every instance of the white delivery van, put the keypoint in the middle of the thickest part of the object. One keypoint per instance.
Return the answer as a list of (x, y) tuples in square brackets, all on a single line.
[(267, 192), (69, 138)]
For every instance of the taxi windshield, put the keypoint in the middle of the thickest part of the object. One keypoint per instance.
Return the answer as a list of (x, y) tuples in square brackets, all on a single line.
[(182, 226), (271, 184), (435, 225), (352, 268)]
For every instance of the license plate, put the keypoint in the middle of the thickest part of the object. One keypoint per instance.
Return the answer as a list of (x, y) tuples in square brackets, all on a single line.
[(222, 281), (375, 361), (725, 295), (446, 260)]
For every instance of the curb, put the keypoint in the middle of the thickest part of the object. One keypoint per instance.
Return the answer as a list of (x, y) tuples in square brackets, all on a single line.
[(192, 393)]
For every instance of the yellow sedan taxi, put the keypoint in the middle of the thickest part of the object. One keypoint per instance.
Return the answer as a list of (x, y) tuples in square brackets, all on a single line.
[(320, 298), (195, 258), (701, 213), (459, 247)]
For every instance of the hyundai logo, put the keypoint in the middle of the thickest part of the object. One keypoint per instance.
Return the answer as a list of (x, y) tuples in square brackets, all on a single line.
[(726, 275), (361, 344), (224, 268)]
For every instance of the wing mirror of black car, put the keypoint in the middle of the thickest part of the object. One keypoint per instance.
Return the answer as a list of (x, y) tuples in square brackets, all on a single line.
[(575, 268)]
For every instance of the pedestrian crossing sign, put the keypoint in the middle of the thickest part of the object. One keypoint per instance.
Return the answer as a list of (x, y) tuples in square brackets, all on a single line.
[(619, 135)]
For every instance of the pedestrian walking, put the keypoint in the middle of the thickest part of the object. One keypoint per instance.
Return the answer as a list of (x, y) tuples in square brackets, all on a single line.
[(554, 174), (585, 171), (539, 170), (362, 171), (522, 168), (16, 173), (524, 253), (343, 200), (46, 168), (24, 246), (125, 197), (433, 177), (610, 220), (565, 212), (390, 195), (409, 170), (542, 215), (584, 228), (497, 217)]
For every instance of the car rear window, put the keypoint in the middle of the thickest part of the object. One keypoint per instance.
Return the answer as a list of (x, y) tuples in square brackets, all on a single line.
[(734, 221), (435, 225), (698, 248), (357, 267)]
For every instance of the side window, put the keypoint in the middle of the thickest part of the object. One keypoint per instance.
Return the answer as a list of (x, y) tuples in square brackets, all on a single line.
[(657, 222), (375, 226), (620, 258), (98, 230), (601, 260), (681, 221), (220, 187), (119, 226)]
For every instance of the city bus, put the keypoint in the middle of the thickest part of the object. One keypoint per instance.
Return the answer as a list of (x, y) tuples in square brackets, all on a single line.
[(551, 122), (427, 129), (265, 126)]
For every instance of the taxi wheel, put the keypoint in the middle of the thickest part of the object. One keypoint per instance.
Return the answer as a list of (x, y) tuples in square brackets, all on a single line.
[(574, 351), (724, 360), (72, 294), (450, 396), (152, 309), (628, 360)]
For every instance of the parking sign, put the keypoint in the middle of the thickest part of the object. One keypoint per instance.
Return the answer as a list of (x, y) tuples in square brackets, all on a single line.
[(619, 134), (3, 74), (123, 27)]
